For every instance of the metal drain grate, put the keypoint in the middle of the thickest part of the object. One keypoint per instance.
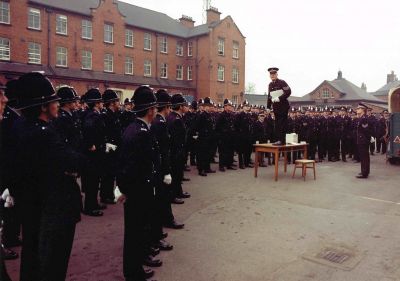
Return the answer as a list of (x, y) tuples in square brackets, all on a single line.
[(335, 257)]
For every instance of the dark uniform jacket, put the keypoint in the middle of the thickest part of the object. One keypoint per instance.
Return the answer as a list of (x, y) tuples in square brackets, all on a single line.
[(177, 131), (139, 163), (281, 107), (67, 126), (224, 127), (160, 130), (45, 165), (113, 127), (94, 131), (364, 130)]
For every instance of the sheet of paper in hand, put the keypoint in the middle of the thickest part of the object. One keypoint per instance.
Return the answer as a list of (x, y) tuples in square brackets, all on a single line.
[(276, 94)]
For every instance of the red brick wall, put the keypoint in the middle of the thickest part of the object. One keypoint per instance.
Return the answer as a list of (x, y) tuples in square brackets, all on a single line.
[(204, 61)]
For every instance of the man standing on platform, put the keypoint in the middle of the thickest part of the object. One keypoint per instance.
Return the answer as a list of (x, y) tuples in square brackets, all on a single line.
[(364, 134), (278, 94)]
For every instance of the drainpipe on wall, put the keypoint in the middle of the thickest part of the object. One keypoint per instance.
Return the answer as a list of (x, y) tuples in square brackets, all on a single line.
[(156, 49), (48, 11), (197, 68)]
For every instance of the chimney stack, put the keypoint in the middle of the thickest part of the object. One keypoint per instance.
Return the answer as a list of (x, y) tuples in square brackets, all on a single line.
[(340, 75), (213, 15), (187, 21), (391, 77), (364, 87)]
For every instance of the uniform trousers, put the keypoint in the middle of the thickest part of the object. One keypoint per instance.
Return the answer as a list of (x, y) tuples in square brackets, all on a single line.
[(363, 151)]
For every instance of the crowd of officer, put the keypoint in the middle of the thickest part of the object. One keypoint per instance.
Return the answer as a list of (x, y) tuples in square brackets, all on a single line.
[(57, 146)]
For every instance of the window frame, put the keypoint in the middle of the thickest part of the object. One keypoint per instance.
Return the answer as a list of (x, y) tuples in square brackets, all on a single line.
[(147, 37), (221, 46), (164, 45), (179, 68), (31, 55), (190, 73), (61, 17), (4, 49), (179, 48), (129, 34), (147, 64), (221, 68), (235, 74), (82, 59), (235, 51), (164, 70), (108, 31), (190, 49), (108, 55), (8, 12), (32, 13), (83, 27), (58, 48), (125, 65)]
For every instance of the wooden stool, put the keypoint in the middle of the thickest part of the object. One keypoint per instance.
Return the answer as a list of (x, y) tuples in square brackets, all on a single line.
[(303, 164)]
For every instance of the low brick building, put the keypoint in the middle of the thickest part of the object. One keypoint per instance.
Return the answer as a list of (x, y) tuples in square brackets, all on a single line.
[(113, 44)]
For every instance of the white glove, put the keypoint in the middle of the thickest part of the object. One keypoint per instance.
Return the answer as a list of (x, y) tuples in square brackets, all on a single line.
[(372, 139), (167, 179), (195, 137), (110, 147), (9, 202), (276, 100), (5, 194), (117, 194)]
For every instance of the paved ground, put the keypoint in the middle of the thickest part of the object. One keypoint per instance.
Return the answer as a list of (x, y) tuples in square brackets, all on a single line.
[(241, 228)]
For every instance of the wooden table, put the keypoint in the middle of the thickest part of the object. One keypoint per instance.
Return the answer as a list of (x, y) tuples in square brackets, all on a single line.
[(276, 150)]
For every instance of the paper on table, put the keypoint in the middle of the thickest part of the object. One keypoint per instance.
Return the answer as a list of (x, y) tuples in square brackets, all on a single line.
[(276, 94)]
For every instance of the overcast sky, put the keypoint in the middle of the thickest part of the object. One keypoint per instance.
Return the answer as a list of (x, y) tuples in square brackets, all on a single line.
[(309, 40)]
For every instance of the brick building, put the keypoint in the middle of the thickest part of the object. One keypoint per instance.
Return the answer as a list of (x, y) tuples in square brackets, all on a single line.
[(391, 82), (113, 44)]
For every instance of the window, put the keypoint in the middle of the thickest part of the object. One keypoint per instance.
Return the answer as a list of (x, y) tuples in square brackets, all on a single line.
[(4, 49), (179, 48), (108, 63), (164, 71), (235, 50), (4, 12), (61, 24), (235, 75), (221, 46), (129, 65), (147, 68), (235, 99), (147, 41), (128, 38), (86, 59), (34, 19), (164, 45), (221, 73), (62, 57), (87, 29), (34, 53), (108, 33), (220, 98), (190, 72), (179, 72), (325, 94), (190, 49)]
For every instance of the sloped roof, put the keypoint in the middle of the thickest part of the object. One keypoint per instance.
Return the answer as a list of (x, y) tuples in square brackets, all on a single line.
[(256, 99), (349, 91), (134, 15), (384, 91)]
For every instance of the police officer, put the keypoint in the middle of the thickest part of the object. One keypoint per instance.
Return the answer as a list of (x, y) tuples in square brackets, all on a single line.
[(164, 215), (127, 116), (177, 130), (137, 179), (364, 134), (243, 130), (278, 94), (113, 131), (94, 147), (3, 102), (204, 131), (45, 172), (225, 132)]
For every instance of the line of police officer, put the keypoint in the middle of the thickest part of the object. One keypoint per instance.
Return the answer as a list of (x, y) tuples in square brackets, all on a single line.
[(144, 150)]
